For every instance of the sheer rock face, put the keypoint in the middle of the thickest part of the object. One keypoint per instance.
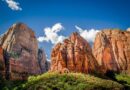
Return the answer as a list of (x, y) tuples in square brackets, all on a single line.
[(21, 52), (43, 63), (112, 50), (73, 55), (2, 65)]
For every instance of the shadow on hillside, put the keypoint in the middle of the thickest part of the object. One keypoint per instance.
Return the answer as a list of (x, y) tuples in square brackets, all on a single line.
[(112, 75)]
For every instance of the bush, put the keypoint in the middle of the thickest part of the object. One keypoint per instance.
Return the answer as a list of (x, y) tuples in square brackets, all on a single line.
[(10, 85), (123, 79), (14, 54), (70, 81)]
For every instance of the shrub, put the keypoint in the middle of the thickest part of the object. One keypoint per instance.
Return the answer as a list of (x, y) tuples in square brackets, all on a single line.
[(70, 81), (123, 79), (14, 54)]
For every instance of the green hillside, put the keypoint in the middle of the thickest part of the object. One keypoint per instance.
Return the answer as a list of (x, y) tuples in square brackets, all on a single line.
[(70, 81)]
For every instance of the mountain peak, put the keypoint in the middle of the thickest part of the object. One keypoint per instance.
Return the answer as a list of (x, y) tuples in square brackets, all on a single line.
[(74, 34), (74, 55), (19, 26)]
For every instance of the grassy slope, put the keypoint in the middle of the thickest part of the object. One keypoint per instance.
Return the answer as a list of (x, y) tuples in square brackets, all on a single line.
[(71, 81)]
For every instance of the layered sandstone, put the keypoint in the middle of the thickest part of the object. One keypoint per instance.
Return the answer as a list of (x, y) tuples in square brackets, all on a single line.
[(21, 52), (73, 55), (112, 50)]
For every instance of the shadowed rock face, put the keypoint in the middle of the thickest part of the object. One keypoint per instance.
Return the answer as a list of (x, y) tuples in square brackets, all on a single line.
[(43, 63), (74, 55), (112, 50), (2, 65), (20, 52)]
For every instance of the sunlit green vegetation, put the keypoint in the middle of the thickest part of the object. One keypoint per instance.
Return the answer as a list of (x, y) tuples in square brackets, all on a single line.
[(124, 80), (70, 81)]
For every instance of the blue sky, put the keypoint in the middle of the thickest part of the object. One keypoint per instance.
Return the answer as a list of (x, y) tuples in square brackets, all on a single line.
[(86, 14)]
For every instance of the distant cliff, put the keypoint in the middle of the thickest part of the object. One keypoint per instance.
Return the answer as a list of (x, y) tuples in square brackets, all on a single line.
[(20, 53)]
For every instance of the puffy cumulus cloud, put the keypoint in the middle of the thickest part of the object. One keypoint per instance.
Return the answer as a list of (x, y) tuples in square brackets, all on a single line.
[(51, 34), (13, 5), (89, 35)]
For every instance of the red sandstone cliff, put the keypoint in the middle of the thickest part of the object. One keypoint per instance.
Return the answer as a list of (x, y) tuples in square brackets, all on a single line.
[(112, 50), (73, 55)]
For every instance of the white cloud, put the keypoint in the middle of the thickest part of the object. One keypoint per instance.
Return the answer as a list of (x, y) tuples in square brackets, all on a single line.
[(13, 5), (128, 29), (88, 35), (51, 34), (48, 59)]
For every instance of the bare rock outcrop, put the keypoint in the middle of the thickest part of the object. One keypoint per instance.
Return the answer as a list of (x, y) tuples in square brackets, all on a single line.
[(73, 55), (43, 63), (112, 50), (20, 52)]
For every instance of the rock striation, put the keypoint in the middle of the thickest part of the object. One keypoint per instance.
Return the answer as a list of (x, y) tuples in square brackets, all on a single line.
[(73, 55), (21, 52), (112, 50)]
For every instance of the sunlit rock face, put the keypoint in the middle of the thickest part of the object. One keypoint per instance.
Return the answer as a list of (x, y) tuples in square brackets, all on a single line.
[(21, 52), (112, 50), (73, 55)]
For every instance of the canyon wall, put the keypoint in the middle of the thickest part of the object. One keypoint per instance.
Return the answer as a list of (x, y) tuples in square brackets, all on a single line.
[(73, 55), (21, 55), (112, 50)]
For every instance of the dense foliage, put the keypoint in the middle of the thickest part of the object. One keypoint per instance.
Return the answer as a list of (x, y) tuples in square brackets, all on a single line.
[(124, 80), (11, 85), (14, 54), (71, 81)]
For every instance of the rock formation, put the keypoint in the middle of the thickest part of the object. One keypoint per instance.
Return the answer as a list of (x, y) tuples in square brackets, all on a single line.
[(2, 65), (112, 50), (73, 55), (20, 52), (20, 56), (43, 63)]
